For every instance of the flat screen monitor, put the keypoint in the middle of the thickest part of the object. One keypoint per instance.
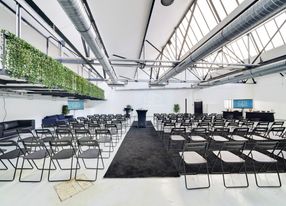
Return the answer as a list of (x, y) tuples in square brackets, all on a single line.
[(243, 103), (75, 104)]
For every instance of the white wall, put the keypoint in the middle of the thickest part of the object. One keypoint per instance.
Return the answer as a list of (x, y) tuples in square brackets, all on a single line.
[(269, 94), (24, 108), (213, 97), (156, 101)]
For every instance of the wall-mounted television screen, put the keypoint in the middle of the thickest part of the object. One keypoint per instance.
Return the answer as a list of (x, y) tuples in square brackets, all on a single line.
[(75, 104), (243, 103)]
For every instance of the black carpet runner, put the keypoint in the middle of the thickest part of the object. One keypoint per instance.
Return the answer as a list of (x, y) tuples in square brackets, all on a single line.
[(141, 154)]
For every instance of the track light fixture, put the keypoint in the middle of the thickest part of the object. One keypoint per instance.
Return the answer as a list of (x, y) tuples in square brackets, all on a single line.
[(166, 2)]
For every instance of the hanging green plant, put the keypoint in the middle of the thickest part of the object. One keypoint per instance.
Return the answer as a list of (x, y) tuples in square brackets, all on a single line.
[(21, 60)]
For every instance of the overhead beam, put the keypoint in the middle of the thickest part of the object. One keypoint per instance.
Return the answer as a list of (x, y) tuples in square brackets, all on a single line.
[(258, 13)]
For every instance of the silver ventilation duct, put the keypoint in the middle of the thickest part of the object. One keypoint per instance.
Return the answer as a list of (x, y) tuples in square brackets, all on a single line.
[(77, 14), (272, 68), (258, 13)]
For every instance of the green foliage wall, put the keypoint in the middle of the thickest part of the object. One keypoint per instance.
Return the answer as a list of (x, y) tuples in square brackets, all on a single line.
[(22, 60)]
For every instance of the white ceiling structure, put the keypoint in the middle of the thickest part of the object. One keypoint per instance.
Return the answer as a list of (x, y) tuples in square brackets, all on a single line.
[(122, 25), (177, 31)]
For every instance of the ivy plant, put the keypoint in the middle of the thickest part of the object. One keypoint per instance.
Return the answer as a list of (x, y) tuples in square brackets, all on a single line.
[(22, 60)]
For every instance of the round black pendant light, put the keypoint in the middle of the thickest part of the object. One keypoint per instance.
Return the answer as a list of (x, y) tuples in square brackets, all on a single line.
[(166, 2)]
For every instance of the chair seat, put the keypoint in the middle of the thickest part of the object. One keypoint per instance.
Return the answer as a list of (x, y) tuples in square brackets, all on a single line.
[(40, 154), (191, 157), (257, 137), (11, 154), (219, 138), (177, 138), (229, 157), (89, 154), (197, 138), (238, 138), (64, 154), (260, 157)]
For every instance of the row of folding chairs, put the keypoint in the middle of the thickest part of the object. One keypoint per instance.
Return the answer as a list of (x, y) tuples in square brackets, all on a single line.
[(234, 154), (35, 153), (276, 131)]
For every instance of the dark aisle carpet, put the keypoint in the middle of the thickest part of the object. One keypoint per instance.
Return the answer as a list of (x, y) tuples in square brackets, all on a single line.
[(141, 154)]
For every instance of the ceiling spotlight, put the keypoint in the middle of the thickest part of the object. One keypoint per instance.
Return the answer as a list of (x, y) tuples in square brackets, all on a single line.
[(166, 2)]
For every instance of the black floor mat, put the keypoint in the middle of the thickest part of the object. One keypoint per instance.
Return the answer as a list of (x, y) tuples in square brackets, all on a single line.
[(142, 154)]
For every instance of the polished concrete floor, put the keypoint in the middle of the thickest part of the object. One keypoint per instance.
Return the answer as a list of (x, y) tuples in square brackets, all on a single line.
[(144, 191)]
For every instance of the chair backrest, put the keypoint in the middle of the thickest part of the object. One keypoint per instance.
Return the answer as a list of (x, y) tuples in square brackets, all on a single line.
[(233, 124), (25, 133), (8, 143), (87, 143), (233, 146), (218, 124), (102, 131), (204, 124), (78, 126), (278, 123), (241, 131), (201, 131), (178, 130), (278, 131), (266, 145), (220, 130), (196, 146), (82, 132), (260, 130), (61, 133), (61, 143), (262, 124), (43, 132)]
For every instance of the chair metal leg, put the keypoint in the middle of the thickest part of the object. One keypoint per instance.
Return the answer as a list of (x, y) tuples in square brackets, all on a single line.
[(14, 173), (266, 186), (61, 180), (195, 188), (230, 186), (32, 181)]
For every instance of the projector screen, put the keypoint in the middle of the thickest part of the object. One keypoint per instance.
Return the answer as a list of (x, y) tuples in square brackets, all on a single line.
[(243, 103), (75, 104)]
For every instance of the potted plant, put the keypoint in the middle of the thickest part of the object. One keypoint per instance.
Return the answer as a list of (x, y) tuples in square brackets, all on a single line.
[(65, 110), (127, 110), (176, 108)]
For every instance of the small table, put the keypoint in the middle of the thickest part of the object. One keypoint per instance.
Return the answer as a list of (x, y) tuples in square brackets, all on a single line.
[(141, 118)]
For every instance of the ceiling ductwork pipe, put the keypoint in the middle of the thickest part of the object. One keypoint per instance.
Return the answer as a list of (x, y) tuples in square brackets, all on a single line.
[(77, 14), (272, 68), (255, 15)]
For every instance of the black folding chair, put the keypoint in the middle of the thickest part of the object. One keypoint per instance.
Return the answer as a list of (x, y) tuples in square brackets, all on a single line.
[(194, 153), (25, 135), (113, 131), (220, 134), (276, 133), (230, 155), (198, 134), (61, 150), (240, 134), (259, 133), (178, 135), (64, 134), (35, 151), (264, 159), (45, 135), (89, 149), (10, 151), (167, 128), (83, 134), (103, 136)]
